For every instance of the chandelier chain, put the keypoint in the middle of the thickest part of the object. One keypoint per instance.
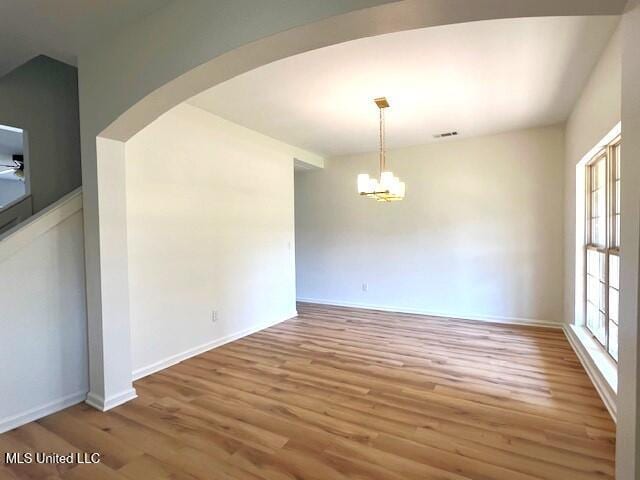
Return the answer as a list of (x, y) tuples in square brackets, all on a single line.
[(382, 132)]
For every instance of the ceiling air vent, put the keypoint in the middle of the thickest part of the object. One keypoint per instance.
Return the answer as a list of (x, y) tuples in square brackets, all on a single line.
[(445, 134)]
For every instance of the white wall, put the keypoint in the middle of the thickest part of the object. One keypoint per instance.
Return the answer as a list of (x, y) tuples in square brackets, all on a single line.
[(628, 433), (596, 112), (210, 227), (43, 339), (479, 233)]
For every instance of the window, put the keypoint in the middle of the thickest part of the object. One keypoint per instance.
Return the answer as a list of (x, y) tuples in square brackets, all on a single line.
[(603, 246)]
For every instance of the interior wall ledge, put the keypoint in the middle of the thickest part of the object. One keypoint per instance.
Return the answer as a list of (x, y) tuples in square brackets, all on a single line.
[(26, 232)]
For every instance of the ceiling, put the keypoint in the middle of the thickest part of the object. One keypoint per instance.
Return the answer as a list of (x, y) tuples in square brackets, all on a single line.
[(477, 78), (58, 28)]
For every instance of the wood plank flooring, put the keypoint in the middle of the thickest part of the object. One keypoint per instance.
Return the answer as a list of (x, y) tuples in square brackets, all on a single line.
[(341, 393)]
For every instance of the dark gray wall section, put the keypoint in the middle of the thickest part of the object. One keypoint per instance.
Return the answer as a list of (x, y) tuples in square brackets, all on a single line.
[(41, 97)]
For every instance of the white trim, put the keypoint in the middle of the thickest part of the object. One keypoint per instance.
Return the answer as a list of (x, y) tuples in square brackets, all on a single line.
[(96, 401), (26, 232), (604, 141), (14, 421), (591, 359), (482, 318), (192, 352)]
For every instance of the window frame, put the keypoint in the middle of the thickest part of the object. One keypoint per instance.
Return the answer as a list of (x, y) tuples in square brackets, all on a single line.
[(609, 153)]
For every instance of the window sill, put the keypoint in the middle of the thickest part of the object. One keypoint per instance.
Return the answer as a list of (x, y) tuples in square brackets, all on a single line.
[(600, 367)]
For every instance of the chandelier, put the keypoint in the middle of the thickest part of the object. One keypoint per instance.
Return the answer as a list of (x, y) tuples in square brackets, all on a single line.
[(387, 188)]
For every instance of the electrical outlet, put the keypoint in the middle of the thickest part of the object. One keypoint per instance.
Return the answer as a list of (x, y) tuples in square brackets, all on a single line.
[(214, 316), (365, 287)]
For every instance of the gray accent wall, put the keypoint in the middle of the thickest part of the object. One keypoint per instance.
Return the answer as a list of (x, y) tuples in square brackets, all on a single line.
[(41, 97)]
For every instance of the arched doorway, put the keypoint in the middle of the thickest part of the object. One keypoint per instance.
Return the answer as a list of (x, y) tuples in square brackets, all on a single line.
[(179, 52)]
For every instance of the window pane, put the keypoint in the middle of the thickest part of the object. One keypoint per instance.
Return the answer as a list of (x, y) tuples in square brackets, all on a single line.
[(602, 203), (592, 263), (592, 317), (613, 304), (599, 331), (592, 290), (614, 271), (596, 265), (613, 340), (602, 226), (596, 294), (598, 174), (598, 217), (602, 294), (602, 171), (615, 208)]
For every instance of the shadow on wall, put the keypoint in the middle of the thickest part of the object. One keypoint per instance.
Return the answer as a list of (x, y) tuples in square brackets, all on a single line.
[(39, 138)]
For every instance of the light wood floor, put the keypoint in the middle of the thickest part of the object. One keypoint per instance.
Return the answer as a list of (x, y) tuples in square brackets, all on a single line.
[(339, 393)]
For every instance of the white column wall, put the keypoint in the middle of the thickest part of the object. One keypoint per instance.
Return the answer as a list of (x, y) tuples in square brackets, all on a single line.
[(110, 378), (628, 434)]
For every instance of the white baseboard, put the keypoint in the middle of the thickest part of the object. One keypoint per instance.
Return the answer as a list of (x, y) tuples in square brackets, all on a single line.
[(102, 404), (14, 421), (482, 318), (603, 387), (192, 352)]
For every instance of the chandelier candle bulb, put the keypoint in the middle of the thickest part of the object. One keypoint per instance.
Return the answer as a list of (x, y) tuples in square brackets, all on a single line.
[(364, 183), (386, 180)]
